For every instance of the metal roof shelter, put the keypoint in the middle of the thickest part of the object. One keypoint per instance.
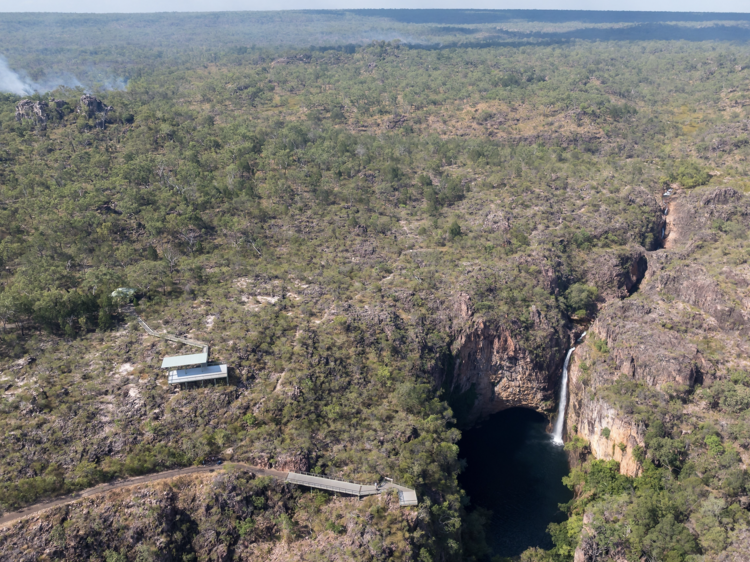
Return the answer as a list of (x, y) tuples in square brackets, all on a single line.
[(185, 360), (202, 373), (200, 369)]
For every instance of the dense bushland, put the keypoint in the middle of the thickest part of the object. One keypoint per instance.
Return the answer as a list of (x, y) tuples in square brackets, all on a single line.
[(312, 216)]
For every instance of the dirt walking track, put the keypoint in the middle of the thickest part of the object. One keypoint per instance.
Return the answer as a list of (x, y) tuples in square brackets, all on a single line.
[(13, 516)]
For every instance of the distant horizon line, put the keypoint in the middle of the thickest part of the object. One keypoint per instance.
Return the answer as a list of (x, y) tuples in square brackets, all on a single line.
[(382, 9)]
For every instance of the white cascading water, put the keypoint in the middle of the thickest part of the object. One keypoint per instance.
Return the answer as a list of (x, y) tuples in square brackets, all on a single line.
[(560, 421)]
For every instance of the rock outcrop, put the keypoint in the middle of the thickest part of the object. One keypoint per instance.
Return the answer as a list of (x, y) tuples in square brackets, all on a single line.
[(32, 110), (90, 106), (616, 274), (93, 108), (38, 111), (42, 111), (686, 326), (693, 285), (643, 350)]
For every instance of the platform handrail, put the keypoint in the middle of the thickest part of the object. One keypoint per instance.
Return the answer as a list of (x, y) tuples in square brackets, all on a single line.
[(328, 477), (170, 337), (355, 489)]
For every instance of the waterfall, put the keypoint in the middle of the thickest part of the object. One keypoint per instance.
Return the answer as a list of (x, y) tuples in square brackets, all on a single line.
[(560, 421)]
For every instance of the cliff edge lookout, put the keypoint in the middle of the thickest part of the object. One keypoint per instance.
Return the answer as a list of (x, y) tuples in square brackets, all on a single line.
[(406, 496), (198, 371)]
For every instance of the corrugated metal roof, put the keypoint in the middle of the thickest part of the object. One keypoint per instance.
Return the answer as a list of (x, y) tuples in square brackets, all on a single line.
[(207, 373), (184, 360)]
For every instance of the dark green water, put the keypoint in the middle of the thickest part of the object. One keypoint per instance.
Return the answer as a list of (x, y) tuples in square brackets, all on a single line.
[(515, 471)]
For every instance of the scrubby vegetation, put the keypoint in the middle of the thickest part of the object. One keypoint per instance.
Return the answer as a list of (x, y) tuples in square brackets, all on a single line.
[(312, 214)]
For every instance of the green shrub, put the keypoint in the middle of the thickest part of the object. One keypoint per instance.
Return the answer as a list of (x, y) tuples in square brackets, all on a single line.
[(114, 556), (454, 230), (715, 448), (580, 299), (599, 344), (688, 174), (245, 527)]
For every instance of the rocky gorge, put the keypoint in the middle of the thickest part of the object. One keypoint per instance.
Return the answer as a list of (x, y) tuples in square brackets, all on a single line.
[(652, 306), (671, 325)]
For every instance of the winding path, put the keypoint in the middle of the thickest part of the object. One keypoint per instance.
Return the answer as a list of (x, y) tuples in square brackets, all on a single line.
[(407, 496), (33, 509)]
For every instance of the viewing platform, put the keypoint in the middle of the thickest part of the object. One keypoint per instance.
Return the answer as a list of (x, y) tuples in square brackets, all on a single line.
[(406, 496), (198, 371)]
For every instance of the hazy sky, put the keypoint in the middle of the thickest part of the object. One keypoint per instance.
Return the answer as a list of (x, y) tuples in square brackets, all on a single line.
[(221, 5)]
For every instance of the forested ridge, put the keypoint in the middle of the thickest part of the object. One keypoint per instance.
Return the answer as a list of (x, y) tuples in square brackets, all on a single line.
[(319, 216)]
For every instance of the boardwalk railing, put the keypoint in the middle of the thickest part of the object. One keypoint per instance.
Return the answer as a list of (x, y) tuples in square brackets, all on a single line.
[(316, 475), (406, 496), (186, 341)]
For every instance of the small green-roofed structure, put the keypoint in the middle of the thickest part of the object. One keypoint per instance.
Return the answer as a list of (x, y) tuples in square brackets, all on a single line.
[(185, 360), (123, 294)]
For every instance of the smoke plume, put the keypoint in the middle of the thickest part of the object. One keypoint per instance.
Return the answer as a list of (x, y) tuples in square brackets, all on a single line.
[(15, 83), (10, 81)]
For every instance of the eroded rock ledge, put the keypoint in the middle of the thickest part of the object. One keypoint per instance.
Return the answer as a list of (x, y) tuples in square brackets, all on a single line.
[(659, 337), (494, 369)]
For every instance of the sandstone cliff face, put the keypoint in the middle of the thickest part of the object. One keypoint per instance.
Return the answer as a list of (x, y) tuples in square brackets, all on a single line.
[(641, 348), (685, 326), (489, 362), (693, 285), (588, 417), (495, 368)]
